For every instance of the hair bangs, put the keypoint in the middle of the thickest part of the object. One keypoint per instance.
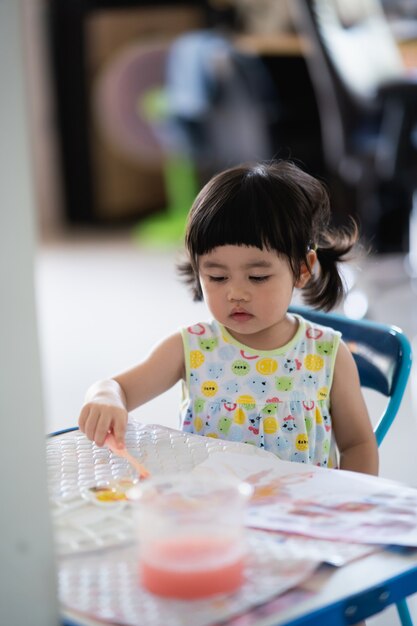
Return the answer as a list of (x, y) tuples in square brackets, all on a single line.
[(247, 218)]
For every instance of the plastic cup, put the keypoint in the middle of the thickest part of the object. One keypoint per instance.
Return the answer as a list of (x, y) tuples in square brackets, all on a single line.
[(191, 535)]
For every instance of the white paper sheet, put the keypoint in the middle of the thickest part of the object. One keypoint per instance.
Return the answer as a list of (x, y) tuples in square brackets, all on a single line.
[(323, 503)]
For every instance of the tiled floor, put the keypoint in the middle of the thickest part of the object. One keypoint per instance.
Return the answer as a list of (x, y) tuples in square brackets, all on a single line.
[(103, 301)]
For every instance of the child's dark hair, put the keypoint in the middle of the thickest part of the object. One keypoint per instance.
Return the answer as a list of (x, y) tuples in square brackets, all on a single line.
[(273, 205)]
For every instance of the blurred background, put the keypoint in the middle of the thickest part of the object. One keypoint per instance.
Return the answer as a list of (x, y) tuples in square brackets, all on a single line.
[(133, 105)]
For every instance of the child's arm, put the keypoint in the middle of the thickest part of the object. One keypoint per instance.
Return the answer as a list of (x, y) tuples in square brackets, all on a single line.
[(108, 401), (351, 424)]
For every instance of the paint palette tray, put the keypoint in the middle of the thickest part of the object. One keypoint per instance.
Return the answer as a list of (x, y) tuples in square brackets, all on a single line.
[(87, 484)]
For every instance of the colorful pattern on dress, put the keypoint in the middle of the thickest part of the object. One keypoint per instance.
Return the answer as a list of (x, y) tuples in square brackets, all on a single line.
[(277, 399)]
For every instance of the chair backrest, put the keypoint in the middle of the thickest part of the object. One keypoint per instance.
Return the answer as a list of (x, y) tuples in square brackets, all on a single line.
[(357, 40), (382, 354), (352, 52)]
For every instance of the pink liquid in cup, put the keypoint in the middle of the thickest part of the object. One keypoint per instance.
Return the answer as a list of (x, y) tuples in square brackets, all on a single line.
[(191, 568)]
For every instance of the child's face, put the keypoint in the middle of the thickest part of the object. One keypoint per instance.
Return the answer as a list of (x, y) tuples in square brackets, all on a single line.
[(248, 290)]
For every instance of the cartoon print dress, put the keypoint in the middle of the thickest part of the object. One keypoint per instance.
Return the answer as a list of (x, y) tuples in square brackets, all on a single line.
[(276, 399)]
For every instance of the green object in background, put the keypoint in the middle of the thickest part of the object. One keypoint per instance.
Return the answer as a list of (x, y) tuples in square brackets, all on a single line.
[(180, 179), (181, 188)]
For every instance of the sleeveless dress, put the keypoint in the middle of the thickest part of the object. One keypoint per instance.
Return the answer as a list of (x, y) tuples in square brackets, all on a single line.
[(276, 399)]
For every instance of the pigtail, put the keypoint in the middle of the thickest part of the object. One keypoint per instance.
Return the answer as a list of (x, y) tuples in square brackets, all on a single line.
[(326, 288), (189, 275)]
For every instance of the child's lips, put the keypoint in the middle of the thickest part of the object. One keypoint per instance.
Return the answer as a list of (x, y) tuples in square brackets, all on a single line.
[(241, 316)]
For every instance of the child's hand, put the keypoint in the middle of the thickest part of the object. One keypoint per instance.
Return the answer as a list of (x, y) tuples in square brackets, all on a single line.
[(104, 411), (97, 420)]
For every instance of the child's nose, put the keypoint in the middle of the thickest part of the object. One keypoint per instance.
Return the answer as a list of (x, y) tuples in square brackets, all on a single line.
[(238, 293)]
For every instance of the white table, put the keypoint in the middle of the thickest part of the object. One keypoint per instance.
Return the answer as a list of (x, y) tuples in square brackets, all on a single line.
[(330, 595)]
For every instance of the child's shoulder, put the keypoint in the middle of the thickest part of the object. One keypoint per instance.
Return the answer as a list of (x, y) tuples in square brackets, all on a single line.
[(315, 331)]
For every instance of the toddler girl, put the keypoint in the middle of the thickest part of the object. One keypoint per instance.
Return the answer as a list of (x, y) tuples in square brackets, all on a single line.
[(256, 373)]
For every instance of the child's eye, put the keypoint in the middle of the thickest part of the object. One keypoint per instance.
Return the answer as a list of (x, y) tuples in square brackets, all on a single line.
[(217, 279), (258, 279)]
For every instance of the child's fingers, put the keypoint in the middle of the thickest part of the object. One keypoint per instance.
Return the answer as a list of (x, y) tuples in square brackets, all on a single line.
[(119, 428), (91, 424), (102, 428), (85, 411), (97, 420)]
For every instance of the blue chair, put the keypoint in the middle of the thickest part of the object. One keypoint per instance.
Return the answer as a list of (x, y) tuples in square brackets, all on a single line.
[(383, 356)]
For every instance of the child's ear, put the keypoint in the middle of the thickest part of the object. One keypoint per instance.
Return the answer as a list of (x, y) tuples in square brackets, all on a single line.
[(306, 270)]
